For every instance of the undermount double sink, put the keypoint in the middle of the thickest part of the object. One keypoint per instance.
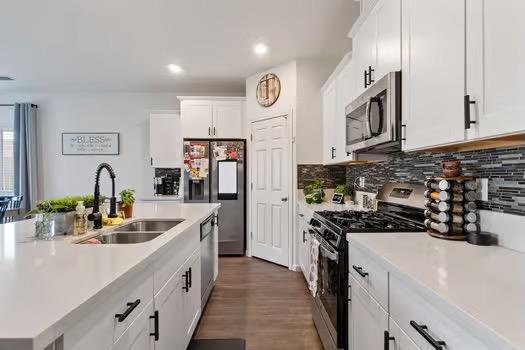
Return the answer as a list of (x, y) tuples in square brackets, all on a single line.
[(138, 231)]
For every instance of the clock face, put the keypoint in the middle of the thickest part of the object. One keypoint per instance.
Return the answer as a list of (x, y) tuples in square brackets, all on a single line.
[(268, 90)]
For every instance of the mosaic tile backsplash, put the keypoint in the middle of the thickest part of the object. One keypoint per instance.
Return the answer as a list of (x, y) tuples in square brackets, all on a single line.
[(332, 175), (505, 169)]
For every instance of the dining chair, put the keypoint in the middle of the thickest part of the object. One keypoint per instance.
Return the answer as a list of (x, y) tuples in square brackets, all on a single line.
[(4, 203), (13, 212)]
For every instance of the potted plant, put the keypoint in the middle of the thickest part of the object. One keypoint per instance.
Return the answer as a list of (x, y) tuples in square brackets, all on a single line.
[(127, 198), (314, 193), (61, 211)]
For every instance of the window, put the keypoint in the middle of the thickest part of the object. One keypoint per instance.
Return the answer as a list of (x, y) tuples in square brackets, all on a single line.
[(7, 147)]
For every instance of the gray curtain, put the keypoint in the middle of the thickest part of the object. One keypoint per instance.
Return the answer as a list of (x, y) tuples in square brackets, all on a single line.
[(25, 153)]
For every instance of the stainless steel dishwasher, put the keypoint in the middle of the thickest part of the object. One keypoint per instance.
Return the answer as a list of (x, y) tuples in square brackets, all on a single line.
[(208, 253)]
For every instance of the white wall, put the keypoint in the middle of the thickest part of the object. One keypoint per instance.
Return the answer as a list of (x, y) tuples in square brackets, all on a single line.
[(126, 113)]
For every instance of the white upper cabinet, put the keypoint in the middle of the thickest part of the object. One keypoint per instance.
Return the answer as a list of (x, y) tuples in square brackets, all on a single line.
[(388, 37), (433, 69), (377, 44), (212, 117), (165, 140), (197, 118), (228, 119), (495, 73), (346, 93), (329, 122)]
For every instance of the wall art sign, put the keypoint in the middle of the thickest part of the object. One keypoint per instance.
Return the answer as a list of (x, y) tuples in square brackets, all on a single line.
[(268, 90), (90, 143)]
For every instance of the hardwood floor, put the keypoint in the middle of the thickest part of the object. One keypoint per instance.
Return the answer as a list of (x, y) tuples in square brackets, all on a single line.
[(266, 304)]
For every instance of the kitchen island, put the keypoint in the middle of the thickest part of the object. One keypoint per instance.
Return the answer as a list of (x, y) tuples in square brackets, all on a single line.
[(60, 295)]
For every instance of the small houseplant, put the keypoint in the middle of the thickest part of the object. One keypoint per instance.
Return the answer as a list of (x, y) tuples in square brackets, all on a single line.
[(127, 198), (314, 193), (44, 222)]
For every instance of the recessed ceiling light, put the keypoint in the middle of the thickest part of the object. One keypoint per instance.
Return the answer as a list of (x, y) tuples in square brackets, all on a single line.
[(260, 49), (175, 68)]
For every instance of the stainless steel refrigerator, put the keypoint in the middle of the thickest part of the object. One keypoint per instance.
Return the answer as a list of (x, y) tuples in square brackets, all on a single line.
[(214, 172)]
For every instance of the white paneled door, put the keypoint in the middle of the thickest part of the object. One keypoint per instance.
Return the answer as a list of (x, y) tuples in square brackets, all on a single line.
[(270, 194)]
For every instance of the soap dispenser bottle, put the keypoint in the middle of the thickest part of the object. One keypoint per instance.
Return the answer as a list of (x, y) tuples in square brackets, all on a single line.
[(80, 219)]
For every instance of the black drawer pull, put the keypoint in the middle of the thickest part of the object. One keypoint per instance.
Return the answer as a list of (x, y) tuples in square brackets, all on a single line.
[(422, 330), (189, 279), (131, 306), (186, 286), (156, 332), (360, 271), (388, 339), (467, 102)]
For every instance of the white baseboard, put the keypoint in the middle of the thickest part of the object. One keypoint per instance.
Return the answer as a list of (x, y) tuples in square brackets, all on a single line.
[(510, 229)]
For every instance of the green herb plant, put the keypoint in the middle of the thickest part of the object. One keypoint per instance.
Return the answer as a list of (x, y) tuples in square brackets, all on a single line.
[(314, 193), (127, 197), (341, 189), (62, 205)]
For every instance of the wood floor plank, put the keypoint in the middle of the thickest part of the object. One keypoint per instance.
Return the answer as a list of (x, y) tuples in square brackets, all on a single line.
[(265, 304)]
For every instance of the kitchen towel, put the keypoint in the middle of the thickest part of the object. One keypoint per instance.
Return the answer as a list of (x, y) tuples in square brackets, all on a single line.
[(314, 262)]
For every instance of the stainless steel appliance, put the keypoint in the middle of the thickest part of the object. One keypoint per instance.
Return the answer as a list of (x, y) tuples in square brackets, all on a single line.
[(400, 209), (373, 120), (207, 257), (214, 172)]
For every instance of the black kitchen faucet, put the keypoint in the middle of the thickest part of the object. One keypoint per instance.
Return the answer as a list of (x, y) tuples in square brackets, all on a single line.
[(95, 215)]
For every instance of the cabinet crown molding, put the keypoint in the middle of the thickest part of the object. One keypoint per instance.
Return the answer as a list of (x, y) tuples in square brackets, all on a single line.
[(362, 18), (340, 66), (212, 98)]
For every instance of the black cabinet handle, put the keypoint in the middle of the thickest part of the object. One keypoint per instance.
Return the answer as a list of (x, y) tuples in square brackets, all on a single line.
[(186, 286), (151, 160), (360, 271), (214, 131), (333, 152), (209, 131), (156, 325), (387, 340), (131, 306), (370, 80), (467, 103), (190, 278), (422, 330), (365, 77), (304, 236)]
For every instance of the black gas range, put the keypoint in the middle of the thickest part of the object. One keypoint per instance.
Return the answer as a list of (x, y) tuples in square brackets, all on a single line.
[(400, 208)]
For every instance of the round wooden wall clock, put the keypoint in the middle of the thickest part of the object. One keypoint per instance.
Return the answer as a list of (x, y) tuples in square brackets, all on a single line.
[(268, 90)]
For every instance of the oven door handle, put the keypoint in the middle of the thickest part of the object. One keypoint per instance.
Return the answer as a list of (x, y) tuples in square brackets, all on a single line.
[(328, 253), (372, 133)]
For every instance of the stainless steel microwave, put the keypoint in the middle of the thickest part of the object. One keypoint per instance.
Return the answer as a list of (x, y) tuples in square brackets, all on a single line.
[(373, 120)]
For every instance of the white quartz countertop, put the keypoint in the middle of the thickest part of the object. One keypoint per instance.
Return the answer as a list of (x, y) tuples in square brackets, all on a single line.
[(485, 284), (44, 282)]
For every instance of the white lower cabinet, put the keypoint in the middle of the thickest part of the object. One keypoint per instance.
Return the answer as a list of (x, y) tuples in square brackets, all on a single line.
[(191, 296), (138, 335), (397, 339), (368, 320), (305, 241), (168, 305)]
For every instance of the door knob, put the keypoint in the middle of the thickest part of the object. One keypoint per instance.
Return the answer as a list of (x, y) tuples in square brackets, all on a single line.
[(284, 199)]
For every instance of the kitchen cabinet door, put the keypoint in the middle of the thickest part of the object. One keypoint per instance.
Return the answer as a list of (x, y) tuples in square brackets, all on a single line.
[(196, 118), (368, 320), (137, 336), (168, 304), (305, 242), (365, 52), (388, 39), (228, 119), (399, 340), (165, 140), (346, 93), (495, 74), (433, 65), (329, 124), (191, 297)]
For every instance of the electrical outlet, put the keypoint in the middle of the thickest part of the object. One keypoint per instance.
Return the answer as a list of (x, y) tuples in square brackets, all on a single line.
[(483, 189), (361, 181)]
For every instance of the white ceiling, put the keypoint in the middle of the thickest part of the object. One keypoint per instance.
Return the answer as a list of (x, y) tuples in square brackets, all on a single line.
[(125, 45)]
